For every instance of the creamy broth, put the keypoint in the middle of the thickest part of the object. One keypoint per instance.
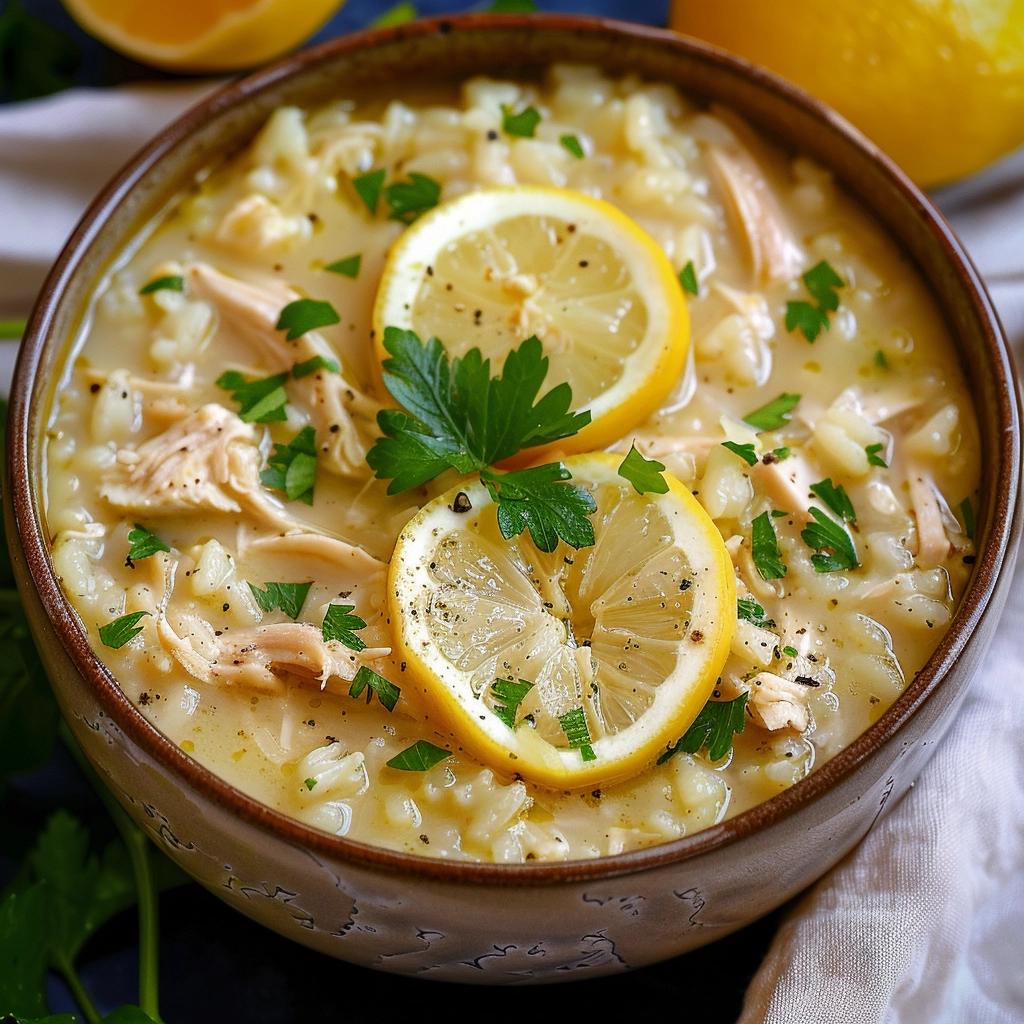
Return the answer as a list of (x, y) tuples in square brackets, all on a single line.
[(258, 229)]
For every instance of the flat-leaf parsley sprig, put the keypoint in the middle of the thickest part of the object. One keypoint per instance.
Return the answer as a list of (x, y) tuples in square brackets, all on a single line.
[(457, 416)]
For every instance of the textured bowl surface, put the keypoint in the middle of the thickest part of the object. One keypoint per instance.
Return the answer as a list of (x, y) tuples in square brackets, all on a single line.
[(503, 923)]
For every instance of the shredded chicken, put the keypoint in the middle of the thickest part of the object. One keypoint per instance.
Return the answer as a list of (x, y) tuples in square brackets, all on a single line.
[(345, 418), (932, 541), (328, 553), (787, 483), (778, 703)]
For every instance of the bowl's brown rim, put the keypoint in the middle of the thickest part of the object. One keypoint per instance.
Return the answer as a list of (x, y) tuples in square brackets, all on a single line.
[(1004, 520)]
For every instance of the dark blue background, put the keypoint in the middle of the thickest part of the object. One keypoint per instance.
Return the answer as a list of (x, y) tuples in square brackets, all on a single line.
[(217, 967)]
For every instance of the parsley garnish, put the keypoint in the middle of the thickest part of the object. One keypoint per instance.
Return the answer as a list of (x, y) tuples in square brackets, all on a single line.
[(688, 279), (143, 544), (881, 360), (524, 124), (821, 281), (765, 547), (643, 474), (461, 417), (171, 283), (348, 267), (802, 316), (400, 14), (117, 633), (368, 187), (35, 58), (289, 597), (790, 652), (408, 199), (745, 451), (573, 145), (834, 546), (314, 363), (577, 732), (511, 694), (967, 517), (304, 315), (368, 680), (292, 467), (421, 756), (714, 728), (512, 7), (774, 414), (749, 609), (259, 401), (340, 624), (874, 459), (782, 453), (310, 783), (836, 498)]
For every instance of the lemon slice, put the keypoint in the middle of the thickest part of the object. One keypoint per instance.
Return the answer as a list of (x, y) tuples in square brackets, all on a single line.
[(629, 635), (494, 267)]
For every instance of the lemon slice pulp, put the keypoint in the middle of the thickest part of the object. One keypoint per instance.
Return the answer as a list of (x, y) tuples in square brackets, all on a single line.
[(631, 633), (494, 267)]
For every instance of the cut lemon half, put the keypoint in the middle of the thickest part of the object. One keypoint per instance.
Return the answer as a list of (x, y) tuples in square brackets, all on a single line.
[(572, 668), (492, 268)]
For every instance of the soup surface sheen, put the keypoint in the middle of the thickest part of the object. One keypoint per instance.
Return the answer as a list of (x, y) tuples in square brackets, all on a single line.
[(140, 432)]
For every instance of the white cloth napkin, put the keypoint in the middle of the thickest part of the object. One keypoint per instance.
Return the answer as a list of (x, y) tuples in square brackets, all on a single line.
[(923, 922)]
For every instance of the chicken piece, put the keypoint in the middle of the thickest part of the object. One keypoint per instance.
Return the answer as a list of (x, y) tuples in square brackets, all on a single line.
[(932, 541), (345, 418), (161, 401), (264, 657), (778, 703), (787, 483), (208, 460), (322, 553)]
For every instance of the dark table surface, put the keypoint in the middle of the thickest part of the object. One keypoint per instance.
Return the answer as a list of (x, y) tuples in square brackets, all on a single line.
[(219, 968)]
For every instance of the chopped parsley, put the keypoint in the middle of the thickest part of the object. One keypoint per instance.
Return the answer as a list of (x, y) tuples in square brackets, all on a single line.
[(874, 459), (822, 281), (774, 414), (781, 454), (688, 279), (713, 728), (765, 547), (292, 467), (812, 318), (745, 451), (834, 546), (524, 124), (340, 624), (143, 544), (259, 401), (368, 187), (373, 683), (577, 732), (511, 7), (314, 363), (511, 694), (836, 498), (749, 609), (809, 320), (347, 267), (790, 652), (409, 199), (117, 633), (573, 145), (967, 517), (644, 474), (420, 757), (304, 315), (310, 783), (881, 360), (400, 14), (170, 283), (289, 597)]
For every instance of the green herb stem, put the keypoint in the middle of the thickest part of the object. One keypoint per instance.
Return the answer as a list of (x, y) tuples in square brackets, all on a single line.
[(67, 971)]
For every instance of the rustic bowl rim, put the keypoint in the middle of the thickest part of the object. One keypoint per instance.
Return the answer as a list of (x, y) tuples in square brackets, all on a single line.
[(114, 703)]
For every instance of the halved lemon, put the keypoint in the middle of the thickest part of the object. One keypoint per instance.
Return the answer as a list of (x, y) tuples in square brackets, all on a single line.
[(491, 268), (572, 668)]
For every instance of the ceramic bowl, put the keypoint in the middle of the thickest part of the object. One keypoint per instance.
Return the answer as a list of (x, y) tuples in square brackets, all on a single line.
[(488, 922)]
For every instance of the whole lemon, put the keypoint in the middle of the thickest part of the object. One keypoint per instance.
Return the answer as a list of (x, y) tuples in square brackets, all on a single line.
[(937, 84)]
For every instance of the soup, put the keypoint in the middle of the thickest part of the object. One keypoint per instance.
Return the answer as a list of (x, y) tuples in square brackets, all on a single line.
[(216, 524)]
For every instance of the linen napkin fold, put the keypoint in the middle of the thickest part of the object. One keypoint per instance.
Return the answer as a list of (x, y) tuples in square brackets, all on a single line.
[(922, 923)]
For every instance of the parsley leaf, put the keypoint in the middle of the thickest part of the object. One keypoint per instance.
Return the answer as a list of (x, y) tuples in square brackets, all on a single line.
[(172, 283), (746, 452), (808, 319), (117, 633), (967, 517), (368, 680), (314, 363), (688, 279), (573, 145), (512, 7), (143, 544), (511, 694), (874, 459), (400, 14), (774, 414), (765, 547), (36, 59), (577, 732), (836, 498), (790, 652), (881, 360), (421, 756), (408, 199), (304, 315), (289, 597), (749, 609), (643, 474), (340, 624), (782, 453), (822, 281), (23, 933), (259, 401), (368, 187), (292, 467), (834, 546), (310, 783), (348, 267), (714, 728), (524, 124)]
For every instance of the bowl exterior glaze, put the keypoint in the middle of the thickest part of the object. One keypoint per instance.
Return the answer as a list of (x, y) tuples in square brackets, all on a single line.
[(503, 923)]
